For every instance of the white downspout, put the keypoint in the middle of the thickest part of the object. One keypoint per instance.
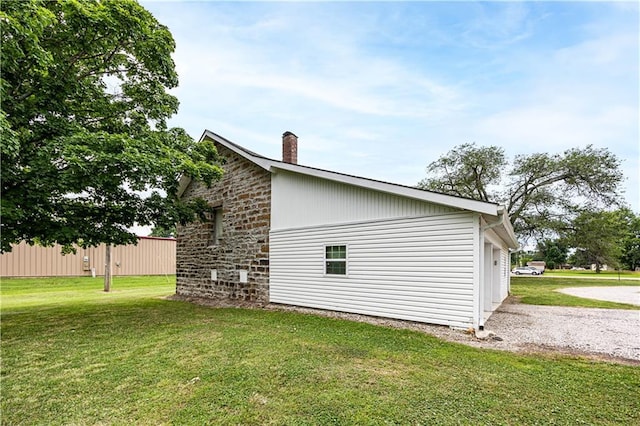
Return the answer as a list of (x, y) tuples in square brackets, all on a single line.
[(477, 271), (481, 278)]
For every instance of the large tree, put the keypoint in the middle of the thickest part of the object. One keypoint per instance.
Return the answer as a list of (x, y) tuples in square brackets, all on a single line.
[(630, 258), (467, 171), (553, 252), (86, 150), (541, 192), (597, 236)]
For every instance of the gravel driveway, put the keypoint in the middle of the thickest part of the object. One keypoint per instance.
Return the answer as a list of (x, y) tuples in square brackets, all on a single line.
[(611, 334), (620, 294), (590, 331)]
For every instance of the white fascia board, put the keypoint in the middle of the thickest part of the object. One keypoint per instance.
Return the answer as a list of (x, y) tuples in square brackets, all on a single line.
[(512, 239), (405, 191)]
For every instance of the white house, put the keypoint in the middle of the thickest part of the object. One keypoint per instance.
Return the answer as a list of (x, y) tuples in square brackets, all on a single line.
[(285, 233)]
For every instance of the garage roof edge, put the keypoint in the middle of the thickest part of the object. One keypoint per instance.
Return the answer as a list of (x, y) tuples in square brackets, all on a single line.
[(273, 166)]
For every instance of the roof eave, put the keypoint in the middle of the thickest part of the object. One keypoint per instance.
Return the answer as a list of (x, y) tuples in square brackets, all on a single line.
[(263, 162), (183, 184), (504, 229), (406, 191)]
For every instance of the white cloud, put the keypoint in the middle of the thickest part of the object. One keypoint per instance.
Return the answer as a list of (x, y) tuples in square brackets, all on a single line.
[(381, 90), (363, 84), (553, 128)]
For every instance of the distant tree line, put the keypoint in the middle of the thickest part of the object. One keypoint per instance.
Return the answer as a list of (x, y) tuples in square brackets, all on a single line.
[(596, 238)]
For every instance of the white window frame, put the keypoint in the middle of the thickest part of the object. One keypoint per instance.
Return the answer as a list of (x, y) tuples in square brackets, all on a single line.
[(345, 260)]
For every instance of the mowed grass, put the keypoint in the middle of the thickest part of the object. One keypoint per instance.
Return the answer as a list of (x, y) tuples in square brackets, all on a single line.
[(610, 274), (62, 291), (542, 290), (132, 357)]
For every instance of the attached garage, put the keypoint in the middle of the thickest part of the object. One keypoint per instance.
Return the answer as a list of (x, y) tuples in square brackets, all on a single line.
[(397, 268), (352, 244), (404, 257)]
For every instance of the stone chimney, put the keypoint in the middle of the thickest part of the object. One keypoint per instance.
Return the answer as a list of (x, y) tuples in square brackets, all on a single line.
[(289, 148)]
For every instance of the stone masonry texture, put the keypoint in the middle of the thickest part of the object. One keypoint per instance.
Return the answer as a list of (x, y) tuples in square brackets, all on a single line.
[(244, 194)]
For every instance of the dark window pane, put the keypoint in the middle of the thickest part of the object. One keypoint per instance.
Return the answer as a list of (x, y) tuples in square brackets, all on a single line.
[(336, 252), (336, 268)]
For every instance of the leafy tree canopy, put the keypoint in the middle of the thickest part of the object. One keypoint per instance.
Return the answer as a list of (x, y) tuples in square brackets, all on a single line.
[(540, 191), (164, 232), (467, 171), (597, 236), (630, 258), (553, 252), (86, 151)]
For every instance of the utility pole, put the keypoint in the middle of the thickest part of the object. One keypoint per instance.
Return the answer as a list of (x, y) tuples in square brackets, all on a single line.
[(107, 269)]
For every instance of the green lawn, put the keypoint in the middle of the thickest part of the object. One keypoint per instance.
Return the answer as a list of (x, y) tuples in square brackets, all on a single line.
[(43, 293), (74, 355), (542, 291), (592, 274)]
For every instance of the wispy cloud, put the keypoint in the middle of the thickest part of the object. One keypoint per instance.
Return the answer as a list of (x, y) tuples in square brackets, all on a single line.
[(329, 70), (382, 89), (498, 25)]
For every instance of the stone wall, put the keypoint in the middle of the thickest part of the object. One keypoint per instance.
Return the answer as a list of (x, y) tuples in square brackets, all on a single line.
[(244, 194)]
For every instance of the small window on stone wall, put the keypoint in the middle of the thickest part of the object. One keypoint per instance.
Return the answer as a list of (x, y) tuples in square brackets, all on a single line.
[(214, 226)]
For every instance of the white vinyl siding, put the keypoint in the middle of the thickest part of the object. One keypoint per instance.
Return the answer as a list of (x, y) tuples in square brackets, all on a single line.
[(504, 274), (418, 269), (300, 200)]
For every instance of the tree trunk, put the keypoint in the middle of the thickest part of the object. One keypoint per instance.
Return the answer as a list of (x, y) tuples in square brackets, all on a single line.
[(107, 269)]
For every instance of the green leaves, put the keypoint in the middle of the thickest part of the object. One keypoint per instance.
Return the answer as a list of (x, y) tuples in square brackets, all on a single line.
[(86, 152), (597, 236), (467, 171), (541, 191), (630, 258), (544, 189), (553, 252)]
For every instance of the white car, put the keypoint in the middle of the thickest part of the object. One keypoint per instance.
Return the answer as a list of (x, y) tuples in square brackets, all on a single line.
[(525, 270)]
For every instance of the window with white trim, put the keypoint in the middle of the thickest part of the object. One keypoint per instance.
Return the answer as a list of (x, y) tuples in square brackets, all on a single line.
[(335, 260)]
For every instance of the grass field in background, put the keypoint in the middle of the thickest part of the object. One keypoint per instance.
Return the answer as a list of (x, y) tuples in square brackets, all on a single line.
[(70, 291), (592, 274), (541, 290), (74, 355)]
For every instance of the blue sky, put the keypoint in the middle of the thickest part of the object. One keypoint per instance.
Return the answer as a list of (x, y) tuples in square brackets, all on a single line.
[(380, 90)]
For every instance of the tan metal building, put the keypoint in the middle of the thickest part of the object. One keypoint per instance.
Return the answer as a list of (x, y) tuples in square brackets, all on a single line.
[(151, 256)]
